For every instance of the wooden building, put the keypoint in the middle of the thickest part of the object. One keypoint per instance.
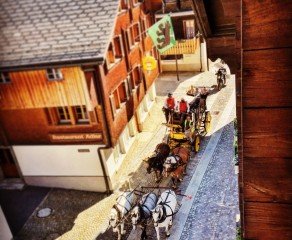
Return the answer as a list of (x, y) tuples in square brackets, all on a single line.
[(73, 94), (190, 50), (264, 115)]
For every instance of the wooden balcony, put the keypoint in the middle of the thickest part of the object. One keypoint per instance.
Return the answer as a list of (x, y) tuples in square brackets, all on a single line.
[(185, 46)]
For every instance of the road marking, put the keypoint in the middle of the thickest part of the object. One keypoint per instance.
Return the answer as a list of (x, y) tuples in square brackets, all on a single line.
[(180, 220)]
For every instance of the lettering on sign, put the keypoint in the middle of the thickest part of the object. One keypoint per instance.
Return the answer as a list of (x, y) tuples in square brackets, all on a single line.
[(76, 137), (83, 150)]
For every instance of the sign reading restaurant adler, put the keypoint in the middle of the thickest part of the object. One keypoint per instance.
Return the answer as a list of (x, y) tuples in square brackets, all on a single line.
[(69, 137)]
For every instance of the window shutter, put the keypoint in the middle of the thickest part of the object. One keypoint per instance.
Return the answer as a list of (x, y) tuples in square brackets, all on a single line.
[(126, 88), (113, 105), (141, 75)]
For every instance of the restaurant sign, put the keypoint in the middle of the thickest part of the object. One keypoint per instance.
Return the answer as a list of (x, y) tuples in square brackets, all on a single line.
[(69, 137)]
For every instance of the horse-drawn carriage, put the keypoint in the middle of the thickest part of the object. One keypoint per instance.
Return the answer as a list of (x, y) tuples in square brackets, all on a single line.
[(201, 121)]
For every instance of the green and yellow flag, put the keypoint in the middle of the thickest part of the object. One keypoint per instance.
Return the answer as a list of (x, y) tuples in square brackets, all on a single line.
[(162, 34)]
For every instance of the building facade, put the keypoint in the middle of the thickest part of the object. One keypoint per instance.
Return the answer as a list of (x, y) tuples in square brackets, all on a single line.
[(73, 94), (190, 52)]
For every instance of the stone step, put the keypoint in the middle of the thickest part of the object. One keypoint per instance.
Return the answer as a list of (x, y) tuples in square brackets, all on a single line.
[(12, 184)]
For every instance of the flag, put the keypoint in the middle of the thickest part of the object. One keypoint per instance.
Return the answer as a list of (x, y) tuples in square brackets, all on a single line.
[(162, 34)]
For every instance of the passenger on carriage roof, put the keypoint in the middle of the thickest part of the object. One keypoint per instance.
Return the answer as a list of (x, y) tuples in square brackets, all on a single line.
[(204, 93), (183, 106), (169, 106), (187, 124)]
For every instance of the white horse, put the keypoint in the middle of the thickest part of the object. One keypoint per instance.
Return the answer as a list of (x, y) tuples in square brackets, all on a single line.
[(163, 212), (142, 212), (119, 212)]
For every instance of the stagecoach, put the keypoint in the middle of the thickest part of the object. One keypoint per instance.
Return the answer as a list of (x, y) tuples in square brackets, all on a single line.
[(201, 118)]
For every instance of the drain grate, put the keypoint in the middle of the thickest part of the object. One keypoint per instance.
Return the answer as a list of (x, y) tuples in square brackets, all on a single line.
[(45, 212)]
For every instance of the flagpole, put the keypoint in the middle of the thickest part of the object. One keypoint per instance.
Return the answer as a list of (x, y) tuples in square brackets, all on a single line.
[(176, 64)]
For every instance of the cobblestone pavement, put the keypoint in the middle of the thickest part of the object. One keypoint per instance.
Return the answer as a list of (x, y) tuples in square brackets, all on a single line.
[(215, 206), (65, 205)]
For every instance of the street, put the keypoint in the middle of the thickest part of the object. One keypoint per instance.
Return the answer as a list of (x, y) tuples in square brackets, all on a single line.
[(210, 179)]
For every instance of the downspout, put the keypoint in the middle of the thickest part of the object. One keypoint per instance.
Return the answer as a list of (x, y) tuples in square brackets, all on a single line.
[(98, 87), (108, 190), (201, 55)]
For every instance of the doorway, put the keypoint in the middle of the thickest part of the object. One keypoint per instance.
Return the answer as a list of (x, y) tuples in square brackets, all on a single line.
[(7, 164)]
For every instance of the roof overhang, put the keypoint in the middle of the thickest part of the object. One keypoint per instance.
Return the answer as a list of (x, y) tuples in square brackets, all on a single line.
[(175, 14), (77, 62)]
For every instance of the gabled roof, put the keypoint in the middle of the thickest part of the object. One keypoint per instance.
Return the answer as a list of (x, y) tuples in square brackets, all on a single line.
[(50, 31)]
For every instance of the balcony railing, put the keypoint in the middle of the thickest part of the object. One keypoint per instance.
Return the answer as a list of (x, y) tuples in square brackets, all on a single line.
[(186, 46)]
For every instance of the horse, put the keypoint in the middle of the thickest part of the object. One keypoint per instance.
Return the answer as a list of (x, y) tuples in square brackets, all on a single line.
[(120, 211), (176, 164), (155, 162), (141, 213), (164, 211)]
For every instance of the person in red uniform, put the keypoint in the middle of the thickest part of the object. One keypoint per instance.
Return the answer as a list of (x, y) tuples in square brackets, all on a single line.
[(183, 109), (169, 106)]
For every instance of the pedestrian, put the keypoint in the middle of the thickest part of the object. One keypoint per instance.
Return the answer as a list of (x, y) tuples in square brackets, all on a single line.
[(169, 106)]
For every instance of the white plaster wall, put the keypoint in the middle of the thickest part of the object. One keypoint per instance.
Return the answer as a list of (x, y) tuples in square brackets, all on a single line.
[(58, 160), (189, 62), (5, 233), (204, 56)]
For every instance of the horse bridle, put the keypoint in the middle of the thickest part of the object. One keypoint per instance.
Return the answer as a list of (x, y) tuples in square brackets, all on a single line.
[(118, 220), (175, 165)]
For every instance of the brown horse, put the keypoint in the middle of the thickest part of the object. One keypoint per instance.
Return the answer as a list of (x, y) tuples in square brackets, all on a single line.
[(155, 162), (175, 165)]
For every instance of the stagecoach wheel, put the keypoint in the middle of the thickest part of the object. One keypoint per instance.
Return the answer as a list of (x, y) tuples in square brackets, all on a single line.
[(207, 126), (197, 143), (207, 116)]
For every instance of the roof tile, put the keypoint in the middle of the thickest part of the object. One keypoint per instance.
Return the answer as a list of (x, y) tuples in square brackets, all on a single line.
[(45, 31)]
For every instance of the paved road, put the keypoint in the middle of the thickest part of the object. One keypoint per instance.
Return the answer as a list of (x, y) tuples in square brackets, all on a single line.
[(211, 213), (18, 205)]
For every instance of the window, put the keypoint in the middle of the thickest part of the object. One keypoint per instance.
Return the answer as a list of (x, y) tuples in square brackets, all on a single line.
[(129, 84), (119, 96), (118, 46), (123, 5), (110, 58), (123, 92), (189, 29), (63, 115), (81, 114), (54, 74), (136, 76), (115, 51), (68, 115), (5, 78), (135, 2), (133, 34), (136, 32), (113, 105)]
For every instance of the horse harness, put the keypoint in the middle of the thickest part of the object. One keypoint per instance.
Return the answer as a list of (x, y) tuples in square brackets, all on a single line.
[(144, 205), (115, 206), (164, 215)]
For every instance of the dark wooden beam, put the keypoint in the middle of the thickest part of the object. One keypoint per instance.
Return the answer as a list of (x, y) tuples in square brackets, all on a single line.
[(201, 18)]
